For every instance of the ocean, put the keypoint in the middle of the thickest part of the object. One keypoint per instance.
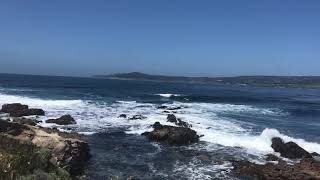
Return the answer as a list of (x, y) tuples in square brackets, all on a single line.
[(236, 121)]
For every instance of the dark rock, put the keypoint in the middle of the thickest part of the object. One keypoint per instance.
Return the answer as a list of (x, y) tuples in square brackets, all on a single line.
[(63, 120), (183, 123), (289, 150), (135, 117), (166, 112), (25, 121), (122, 116), (162, 107), (157, 125), (73, 156), (171, 118), (271, 157), (11, 128), (306, 169), (315, 154), (18, 110), (172, 135)]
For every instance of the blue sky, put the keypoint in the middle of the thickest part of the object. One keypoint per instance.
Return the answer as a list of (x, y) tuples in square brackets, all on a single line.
[(194, 38)]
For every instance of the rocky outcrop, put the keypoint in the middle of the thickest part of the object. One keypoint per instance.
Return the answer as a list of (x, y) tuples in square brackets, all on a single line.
[(28, 150), (19, 110), (307, 168), (173, 119), (122, 116), (136, 117), (289, 150), (63, 120), (172, 135), (26, 121)]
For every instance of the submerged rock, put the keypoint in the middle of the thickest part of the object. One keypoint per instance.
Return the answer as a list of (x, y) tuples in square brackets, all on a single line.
[(63, 120), (162, 107), (307, 168), (289, 150), (18, 110), (172, 135), (29, 150), (122, 116), (136, 117)]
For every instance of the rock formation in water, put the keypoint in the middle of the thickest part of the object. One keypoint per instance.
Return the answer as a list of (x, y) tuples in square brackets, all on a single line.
[(63, 120), (172, 135), (19, 110)]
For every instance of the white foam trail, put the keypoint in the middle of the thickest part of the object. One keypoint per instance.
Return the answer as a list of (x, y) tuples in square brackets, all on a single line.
[(168, 95)]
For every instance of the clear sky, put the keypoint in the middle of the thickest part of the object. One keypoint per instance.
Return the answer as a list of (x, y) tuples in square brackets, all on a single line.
[(173, 37)]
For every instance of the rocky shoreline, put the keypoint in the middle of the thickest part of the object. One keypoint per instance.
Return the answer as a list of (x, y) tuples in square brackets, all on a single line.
[(29, 151)]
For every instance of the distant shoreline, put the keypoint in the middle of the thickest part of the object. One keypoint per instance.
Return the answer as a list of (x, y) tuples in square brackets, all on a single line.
[(312, 82)]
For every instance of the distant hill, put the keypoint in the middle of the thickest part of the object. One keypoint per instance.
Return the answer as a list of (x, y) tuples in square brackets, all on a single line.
[(267, 81)]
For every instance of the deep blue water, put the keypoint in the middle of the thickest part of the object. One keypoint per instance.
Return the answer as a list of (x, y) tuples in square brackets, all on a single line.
[(237, 121)]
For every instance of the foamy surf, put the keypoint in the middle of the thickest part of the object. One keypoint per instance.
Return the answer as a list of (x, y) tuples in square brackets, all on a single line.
[(168, 95), (94, 117)]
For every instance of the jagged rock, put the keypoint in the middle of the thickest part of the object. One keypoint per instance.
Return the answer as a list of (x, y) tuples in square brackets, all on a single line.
[(307, 168), (289, 150), (183, 123), (18, 110), (315, 154), (171, 118), (162, 107), (25, 121), (271, 157), (63, 120), (172, 135), (135, 117), (122, 116), (62, 150)]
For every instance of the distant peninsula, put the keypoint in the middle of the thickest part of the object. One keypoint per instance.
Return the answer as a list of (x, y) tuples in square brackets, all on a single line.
[(265, 81)]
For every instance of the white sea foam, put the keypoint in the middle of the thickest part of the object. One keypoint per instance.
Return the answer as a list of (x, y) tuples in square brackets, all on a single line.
[(168, 95), (95, 117)]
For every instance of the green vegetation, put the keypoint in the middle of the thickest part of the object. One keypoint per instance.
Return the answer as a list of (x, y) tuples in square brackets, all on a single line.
[(21, 159)]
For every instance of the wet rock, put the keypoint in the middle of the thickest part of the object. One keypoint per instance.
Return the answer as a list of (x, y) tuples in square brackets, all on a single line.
[(183, 123), (307, 168), (11, 128), (271, 157), (136, 117), (162, 107), (315, 154), (289, 150), (166, 111), (122, 116), (26, 121), (18, 110), (171, 118), (172, 135), (63, 120)]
